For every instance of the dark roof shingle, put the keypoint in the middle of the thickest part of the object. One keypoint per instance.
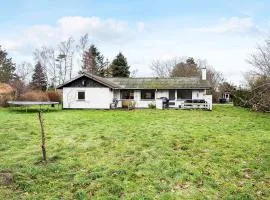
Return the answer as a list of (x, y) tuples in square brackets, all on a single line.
[(161, 83), (148, 83)]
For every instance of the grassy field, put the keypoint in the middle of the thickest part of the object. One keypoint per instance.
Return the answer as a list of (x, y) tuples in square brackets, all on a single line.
[(141, 154)]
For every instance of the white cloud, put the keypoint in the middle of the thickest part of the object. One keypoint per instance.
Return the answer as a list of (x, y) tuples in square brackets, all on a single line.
[(99, 29), (232, 25), (12, 45), (105, 30)]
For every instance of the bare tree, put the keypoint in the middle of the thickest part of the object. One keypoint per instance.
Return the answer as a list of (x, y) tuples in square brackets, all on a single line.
[(57, 62), (164, 68), (47, 57), (175, 67), (261, 59), (259, 79), (133, 73), (66, 53), (22, 78), (257, 93), (24, 70), (81, 47)]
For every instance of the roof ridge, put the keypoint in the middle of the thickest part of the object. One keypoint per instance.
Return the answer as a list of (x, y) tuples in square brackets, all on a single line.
[(152, 77)]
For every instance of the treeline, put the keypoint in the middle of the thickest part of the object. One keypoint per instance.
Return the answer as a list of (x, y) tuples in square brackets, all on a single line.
[(56, 65)]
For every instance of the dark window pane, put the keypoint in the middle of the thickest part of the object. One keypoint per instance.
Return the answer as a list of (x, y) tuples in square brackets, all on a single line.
[(127, 94), (147, 94), (184, 94), (171, 94), (81, 95)]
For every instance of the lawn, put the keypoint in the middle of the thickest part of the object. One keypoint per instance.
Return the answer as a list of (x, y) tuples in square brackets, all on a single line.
[(141, 154)]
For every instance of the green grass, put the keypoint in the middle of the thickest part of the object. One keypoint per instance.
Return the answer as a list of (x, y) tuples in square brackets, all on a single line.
[(141, 154)]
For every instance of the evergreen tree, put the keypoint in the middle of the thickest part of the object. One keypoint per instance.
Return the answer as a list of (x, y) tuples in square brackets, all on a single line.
[(119, 66), (94, 62), (7, 67), (39, 80)]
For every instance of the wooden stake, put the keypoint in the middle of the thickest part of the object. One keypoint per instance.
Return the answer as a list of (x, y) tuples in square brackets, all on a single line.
[(43, 138)]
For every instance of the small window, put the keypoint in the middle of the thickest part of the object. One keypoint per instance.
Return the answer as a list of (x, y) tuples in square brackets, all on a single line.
[(147, 94), (81, 95)]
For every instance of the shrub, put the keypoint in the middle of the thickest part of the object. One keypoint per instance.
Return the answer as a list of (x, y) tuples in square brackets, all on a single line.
[(128, 104), (34, 95), (257, 97), (4, 98), (241, 98), (54, 96), (151, 105), (6, 94)]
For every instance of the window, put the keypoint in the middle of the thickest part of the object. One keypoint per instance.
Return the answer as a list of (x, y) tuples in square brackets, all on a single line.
[(147, 94), (172, 94), (184, 94), (81, 95), (127, 94)]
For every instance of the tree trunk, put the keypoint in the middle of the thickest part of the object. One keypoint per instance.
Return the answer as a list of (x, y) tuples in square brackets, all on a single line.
[(43, 138)]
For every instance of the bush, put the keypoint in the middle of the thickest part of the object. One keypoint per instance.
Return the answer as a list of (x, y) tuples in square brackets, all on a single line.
[(7, 93), (241, 98), (54, 96), (128, 104), (151, 105), (257, 97), (4, 98), (34, 96)]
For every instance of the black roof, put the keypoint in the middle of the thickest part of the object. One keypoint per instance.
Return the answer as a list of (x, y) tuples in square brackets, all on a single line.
[(99, 79)]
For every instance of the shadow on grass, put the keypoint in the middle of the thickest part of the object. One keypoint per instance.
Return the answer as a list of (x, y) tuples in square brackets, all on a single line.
[(33, 110)]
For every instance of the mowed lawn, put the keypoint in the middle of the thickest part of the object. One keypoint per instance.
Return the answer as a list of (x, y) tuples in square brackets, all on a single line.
[(141, 154)]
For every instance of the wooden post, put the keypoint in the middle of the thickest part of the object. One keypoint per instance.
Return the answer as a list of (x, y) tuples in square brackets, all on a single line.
[(43, 138)]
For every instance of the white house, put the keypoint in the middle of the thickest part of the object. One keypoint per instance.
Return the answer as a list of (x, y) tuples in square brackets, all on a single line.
[(93, 92)]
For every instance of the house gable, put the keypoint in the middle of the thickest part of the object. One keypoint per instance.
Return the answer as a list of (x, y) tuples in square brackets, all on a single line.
[(88, 80), (84, 81)]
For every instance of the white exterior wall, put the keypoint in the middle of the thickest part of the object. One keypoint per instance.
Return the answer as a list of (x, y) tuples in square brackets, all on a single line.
[(96, 98), (209, 100), (162, 93), (198, 94), (101, 98), (141, 103)]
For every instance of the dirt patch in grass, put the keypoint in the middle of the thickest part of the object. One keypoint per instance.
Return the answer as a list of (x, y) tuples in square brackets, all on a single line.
[(6, 178)]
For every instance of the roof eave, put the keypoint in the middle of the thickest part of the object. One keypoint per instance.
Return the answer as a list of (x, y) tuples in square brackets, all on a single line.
[(112, 86)]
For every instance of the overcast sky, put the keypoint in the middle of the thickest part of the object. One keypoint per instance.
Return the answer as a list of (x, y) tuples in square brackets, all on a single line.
[(224, 32)]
